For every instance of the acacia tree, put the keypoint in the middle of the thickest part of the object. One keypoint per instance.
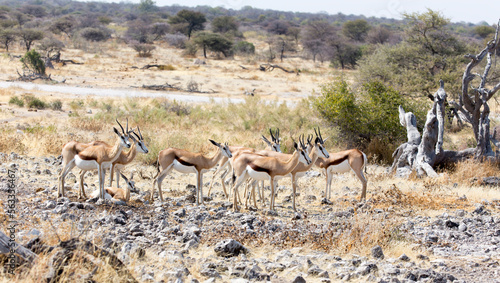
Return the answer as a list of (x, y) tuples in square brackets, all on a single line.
[(29, 36), (315, 37), (186, 22), (424, 153), (7, 37)]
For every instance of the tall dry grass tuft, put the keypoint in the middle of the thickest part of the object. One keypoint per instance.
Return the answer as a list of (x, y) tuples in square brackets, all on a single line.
[(469, 170), (88, 124)]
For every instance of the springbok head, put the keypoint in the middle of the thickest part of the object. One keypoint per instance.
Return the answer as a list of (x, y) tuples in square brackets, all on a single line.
[(223, 147), (274, 144), (141, 147), (123, 135), (320, 145), (130, 182), (302, 150)]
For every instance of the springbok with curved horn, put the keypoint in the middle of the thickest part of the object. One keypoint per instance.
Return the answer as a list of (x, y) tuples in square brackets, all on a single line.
[(261, 167), (127, 157), (342, 162), (98, 156), (123, 159), (274, 145), (315, 150), (70, 150), (188, 162)]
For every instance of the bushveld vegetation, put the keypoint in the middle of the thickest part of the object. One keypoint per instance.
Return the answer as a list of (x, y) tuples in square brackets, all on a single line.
[(383, 63)]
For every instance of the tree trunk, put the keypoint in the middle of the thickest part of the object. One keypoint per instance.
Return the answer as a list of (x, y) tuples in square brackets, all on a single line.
[(424, 154)]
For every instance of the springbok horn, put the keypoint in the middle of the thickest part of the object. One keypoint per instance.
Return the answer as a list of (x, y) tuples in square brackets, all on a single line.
[(140, 134), (272, 136), (120, 126)]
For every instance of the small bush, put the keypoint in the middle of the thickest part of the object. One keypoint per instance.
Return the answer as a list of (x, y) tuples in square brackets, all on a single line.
[(244, 47), (32, 61), (190, 49), (17, 101), (96, 34), (34, 102), (76, 104), (56, 105), (167, 67), (176, 40), (144, 50)]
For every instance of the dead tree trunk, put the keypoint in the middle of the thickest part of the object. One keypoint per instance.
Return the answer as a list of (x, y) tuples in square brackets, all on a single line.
[(424, 153), (473, 103)]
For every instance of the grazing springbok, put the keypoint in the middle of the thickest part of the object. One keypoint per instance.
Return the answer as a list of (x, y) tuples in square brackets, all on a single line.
[(97, 156), (260, 167), (188, 162), (274, 145)]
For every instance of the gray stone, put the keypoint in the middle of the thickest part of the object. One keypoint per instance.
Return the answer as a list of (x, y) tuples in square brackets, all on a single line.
[(366, 268), (377, 252), (404, 257), (50, 204), (229, 248), (462, 227), (299, 279)]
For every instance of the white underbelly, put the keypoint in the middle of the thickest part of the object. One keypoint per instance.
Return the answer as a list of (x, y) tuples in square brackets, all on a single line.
[(183, 168), (119, 166), (86, 164), (257, 175), (300, 175), (340, 168)]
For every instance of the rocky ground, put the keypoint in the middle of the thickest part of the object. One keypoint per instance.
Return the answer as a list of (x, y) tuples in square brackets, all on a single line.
[(177, 241)]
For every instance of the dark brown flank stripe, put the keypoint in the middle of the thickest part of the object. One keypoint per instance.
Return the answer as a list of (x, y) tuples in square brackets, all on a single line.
[(85, 157), (185, 163), (258, 168), (338, 161)]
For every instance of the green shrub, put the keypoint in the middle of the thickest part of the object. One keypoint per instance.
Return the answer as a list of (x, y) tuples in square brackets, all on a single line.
[(33, 62), (34, 102), (17, 101), (368, 117), (244, 47), (56, 105)]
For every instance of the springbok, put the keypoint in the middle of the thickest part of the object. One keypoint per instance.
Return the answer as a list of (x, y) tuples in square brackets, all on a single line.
[(71, 149), (126, 158), (342, 162), (123, 159), (188, 162), (315, 150), (116, 193), (260, 167), (97, 156), (274, 145)]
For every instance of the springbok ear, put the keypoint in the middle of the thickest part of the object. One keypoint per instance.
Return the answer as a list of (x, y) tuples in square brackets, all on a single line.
[(214, 142), (317, 140), (295, 145), (116, 131), (266, 140)]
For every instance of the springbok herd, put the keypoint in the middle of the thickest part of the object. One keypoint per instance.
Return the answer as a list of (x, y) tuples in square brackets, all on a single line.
[(246, 164)]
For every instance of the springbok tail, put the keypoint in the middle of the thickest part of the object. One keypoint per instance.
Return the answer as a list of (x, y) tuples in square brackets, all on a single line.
[(365, 162)]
